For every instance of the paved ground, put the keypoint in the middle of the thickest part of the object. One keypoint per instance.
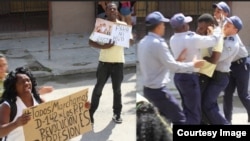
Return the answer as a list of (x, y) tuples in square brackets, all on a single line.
[(239, 112), (71, 54), (68, 54), (104, 128)]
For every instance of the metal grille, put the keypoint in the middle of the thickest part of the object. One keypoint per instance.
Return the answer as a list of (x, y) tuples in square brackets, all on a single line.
[(169, 8), (23, 15)]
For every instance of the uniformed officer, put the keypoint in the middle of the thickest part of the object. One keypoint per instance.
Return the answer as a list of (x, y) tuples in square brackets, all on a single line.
[(155, 62), (221, 11), (187, 83), (239, 75), (220, 77), (239, 78)]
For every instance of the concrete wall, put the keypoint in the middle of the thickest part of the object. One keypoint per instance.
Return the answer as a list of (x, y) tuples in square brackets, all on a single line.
[(241, 9), (72, 17)]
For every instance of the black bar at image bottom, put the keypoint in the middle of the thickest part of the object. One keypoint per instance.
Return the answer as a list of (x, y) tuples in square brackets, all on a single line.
[(211, 132)]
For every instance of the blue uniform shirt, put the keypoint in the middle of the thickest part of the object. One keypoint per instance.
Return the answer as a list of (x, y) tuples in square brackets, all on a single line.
[(193, 42), (242, 50), (230, 49), (156, 60)]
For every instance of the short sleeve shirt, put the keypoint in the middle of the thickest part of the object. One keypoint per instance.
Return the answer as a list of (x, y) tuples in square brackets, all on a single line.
[(114, 54)]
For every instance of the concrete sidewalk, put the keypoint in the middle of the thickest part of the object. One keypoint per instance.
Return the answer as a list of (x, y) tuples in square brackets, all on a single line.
[(69, 54)]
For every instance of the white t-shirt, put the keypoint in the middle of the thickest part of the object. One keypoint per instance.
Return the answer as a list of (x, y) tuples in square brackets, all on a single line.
[(18, 133)]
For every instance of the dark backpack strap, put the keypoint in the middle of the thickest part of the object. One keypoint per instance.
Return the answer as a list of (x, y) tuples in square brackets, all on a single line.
[(38, 99), (13, 109)]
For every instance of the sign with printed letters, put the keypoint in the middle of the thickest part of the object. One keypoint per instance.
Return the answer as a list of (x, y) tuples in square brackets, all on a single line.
[(105, 31), (59, 120)]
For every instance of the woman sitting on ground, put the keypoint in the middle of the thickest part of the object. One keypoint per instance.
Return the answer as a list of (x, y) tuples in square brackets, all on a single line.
[(20, 89)]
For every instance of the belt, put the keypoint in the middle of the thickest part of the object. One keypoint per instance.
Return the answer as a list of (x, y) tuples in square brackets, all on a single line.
[(111, 63), (196, 73), (240, 61), (154, 88), (219, 72)]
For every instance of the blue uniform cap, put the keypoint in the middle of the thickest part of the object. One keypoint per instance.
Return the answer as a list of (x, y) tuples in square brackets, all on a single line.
[(155, 18), (236, 21), (222, 6), (179, 19)]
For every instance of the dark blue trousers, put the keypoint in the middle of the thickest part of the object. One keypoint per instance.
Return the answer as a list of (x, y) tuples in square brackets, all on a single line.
[(210, 107), (189, 89), (104, 71), (166, 103), (239, 78), (204, 81)]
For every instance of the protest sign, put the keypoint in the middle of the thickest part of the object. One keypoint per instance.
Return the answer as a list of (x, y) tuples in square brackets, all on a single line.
[(59, 120), (105, 31)]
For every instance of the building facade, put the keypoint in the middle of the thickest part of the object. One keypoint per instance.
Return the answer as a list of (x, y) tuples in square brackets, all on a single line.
[(73, 17)]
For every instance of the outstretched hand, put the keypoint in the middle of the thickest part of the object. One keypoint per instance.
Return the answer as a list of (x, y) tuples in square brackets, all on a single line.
[(87, 105), (45, 89)]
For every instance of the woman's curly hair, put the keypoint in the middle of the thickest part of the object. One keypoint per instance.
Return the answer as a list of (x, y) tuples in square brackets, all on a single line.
[(10, 91), (150, 125)]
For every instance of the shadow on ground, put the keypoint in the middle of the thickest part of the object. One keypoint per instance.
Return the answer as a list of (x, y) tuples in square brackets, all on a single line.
[(102, 135)]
